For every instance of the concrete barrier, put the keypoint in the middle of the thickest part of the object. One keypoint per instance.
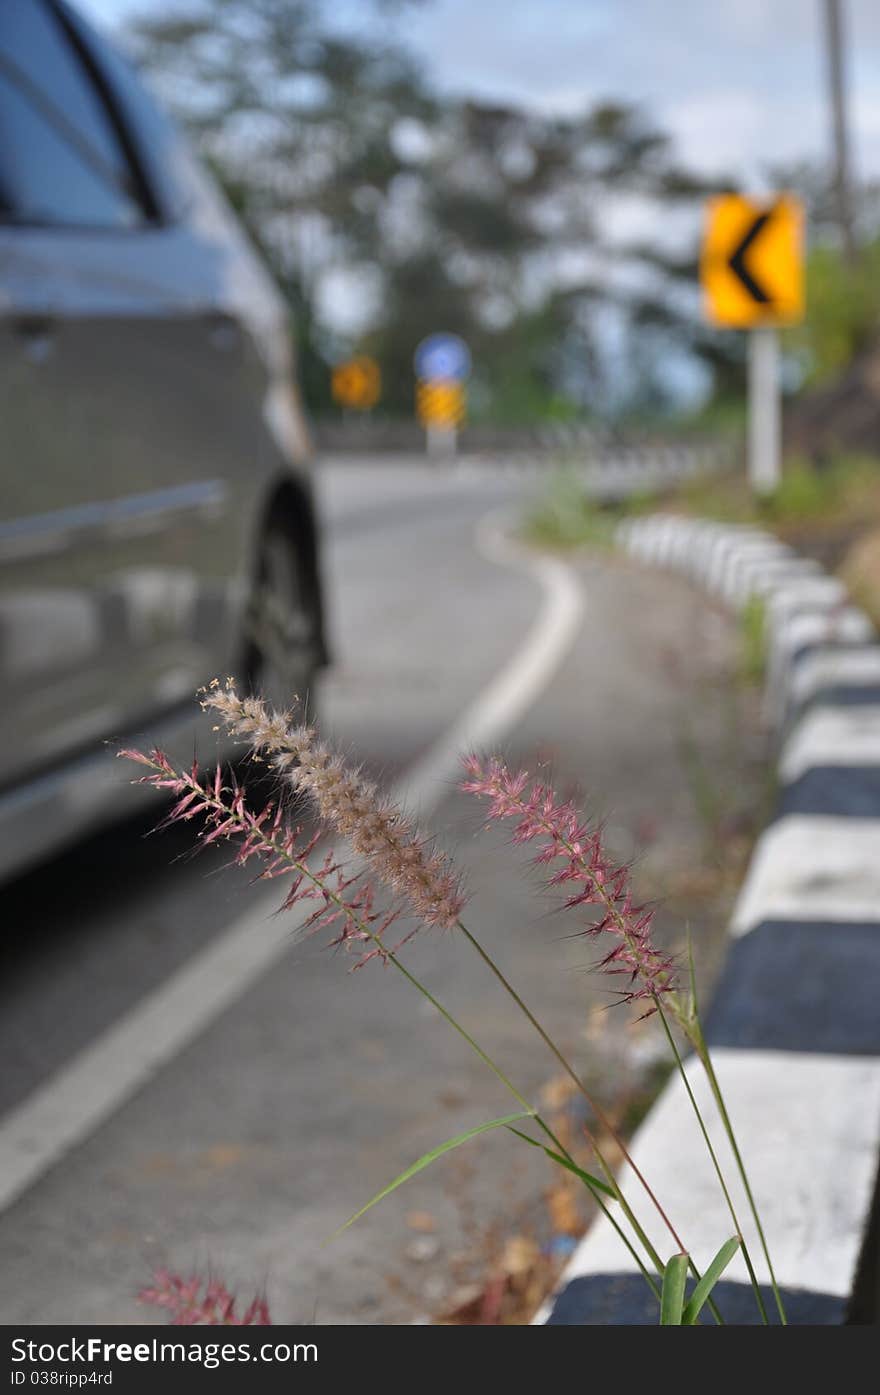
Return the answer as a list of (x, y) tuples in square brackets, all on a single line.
[(794, 1025)]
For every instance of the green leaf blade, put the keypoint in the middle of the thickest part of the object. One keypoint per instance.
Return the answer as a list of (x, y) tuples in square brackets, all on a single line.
[(591, 1181), (672, 1296), (427, 1158), (709, 1280), (526, 1138), (570, 1166)]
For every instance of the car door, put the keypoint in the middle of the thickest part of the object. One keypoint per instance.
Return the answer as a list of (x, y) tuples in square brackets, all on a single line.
[(121, 399), (60, 170)]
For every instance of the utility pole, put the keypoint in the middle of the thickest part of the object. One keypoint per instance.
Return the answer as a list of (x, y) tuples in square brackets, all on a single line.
[(840, 164)]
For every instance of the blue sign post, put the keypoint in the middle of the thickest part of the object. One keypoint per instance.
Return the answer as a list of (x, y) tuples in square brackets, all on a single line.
[(442, 363), (443, 356)]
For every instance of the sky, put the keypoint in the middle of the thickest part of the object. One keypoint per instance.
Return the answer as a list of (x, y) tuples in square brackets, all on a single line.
[(740, 84)]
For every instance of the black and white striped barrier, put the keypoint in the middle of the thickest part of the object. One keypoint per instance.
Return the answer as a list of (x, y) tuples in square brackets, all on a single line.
[(794, 1026), (606, 473)]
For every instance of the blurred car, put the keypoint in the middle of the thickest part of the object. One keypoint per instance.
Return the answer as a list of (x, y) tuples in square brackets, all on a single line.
[(156, 517)]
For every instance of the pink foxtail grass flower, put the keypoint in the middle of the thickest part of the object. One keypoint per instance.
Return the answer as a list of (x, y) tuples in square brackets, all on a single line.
[(579, 862), (576, 860), (344, 903), (395, 851), (399, 856), (194, 1301), (398, 853), (281, 849)]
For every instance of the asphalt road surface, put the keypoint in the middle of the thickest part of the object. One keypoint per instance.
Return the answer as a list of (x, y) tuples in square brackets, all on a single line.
[(254, 1121)]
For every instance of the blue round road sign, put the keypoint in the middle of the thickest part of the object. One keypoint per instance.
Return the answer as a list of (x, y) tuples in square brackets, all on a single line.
[(443, 356)]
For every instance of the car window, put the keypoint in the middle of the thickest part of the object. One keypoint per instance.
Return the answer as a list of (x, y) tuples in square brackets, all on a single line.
[(159, 146), (61, 160)]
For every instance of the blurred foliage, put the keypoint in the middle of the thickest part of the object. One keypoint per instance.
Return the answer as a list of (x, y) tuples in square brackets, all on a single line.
[(860, 572), (812, 182), (724, 415), (843, 311), (565, 516), (846, 488), (805, 492), (844, 492), (362, 184), (842, 298), (753, 645)]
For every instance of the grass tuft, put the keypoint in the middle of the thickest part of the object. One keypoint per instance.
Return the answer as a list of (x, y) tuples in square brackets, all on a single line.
[(565, 516)]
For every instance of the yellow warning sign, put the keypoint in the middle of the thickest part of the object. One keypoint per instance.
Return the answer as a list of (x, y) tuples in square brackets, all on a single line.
[(752, 261), (357, 384), (440, 402)]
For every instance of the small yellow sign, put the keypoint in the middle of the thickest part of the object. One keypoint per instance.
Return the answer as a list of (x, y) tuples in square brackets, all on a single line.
[(357, 384), (440, 402), (752, 261)]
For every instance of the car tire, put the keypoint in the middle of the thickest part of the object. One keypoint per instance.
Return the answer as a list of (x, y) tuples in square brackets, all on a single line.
[(282, 657)]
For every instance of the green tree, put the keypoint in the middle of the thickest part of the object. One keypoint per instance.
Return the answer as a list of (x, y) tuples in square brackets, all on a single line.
[(842, 298), (489, 221), (843, 312)]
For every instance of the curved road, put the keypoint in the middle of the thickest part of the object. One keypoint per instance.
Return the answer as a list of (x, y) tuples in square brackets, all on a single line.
[(307, 1088)]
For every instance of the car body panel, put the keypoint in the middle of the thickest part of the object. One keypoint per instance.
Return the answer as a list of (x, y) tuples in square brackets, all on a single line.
[(149, 417)]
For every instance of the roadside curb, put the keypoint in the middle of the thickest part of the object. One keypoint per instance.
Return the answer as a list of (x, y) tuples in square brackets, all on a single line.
[(793, 1026)]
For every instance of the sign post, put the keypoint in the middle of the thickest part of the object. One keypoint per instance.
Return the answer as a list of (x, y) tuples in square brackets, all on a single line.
[(765, 420), (751, 270), (442, 364)]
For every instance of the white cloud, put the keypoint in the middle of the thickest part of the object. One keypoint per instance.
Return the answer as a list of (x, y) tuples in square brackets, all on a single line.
[(738, 85)]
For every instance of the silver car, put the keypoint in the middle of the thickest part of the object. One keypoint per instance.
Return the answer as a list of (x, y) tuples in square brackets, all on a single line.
[(156, 516)]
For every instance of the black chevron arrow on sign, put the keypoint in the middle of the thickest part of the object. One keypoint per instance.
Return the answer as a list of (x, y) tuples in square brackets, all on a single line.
[(736, 261)]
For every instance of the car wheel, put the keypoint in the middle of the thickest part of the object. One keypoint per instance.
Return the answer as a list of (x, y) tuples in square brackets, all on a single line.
[(282, 641)]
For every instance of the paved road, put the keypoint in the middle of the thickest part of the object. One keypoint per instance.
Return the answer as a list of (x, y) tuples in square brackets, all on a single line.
[(314, 1086)]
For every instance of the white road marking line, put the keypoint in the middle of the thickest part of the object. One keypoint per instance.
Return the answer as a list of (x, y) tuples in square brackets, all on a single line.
[(812, 867), (81, 1096), (510, 694)]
